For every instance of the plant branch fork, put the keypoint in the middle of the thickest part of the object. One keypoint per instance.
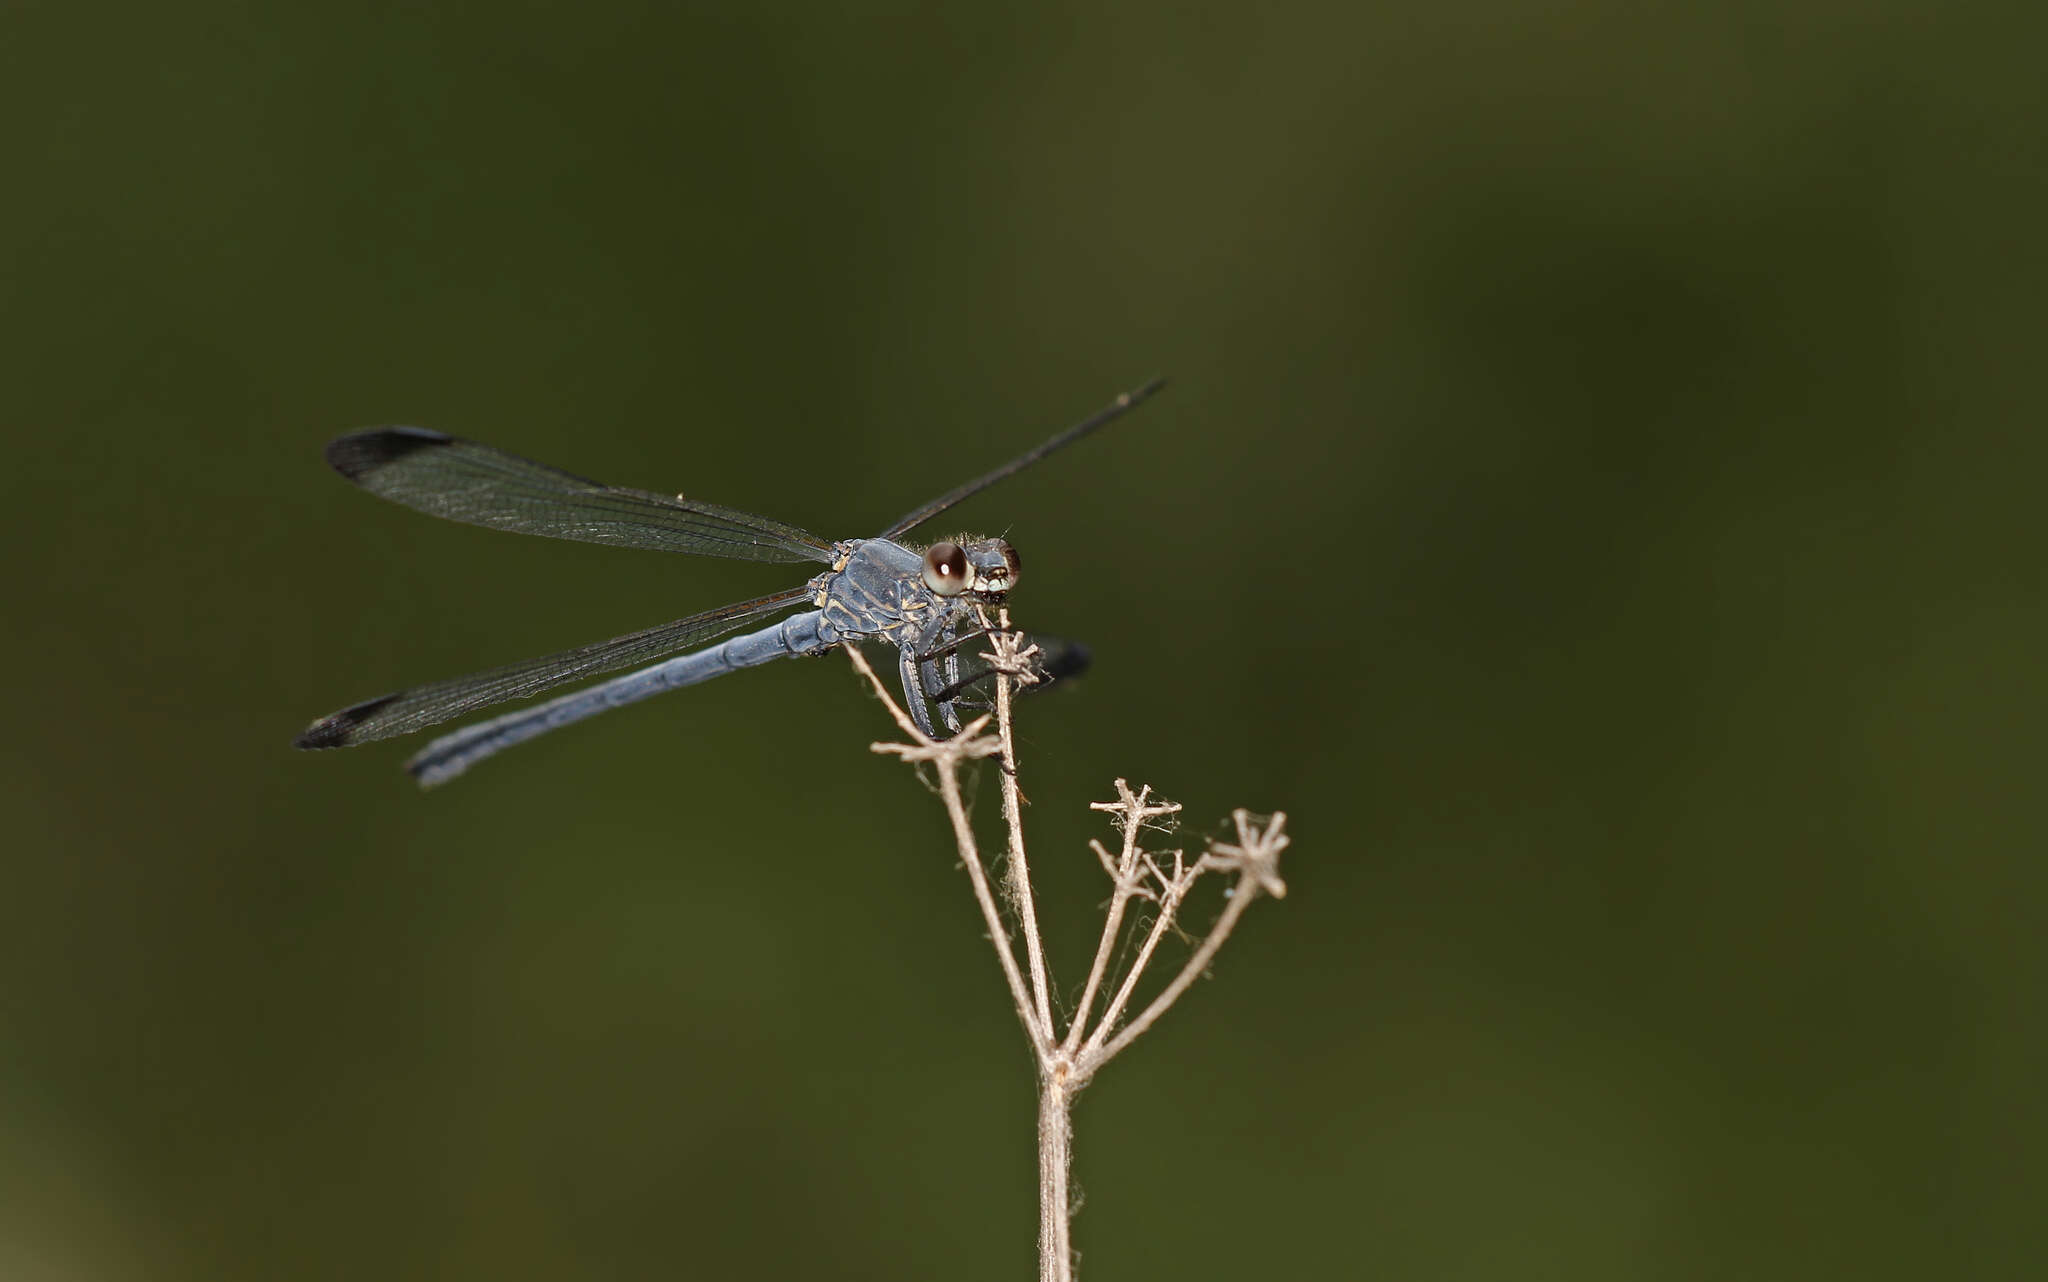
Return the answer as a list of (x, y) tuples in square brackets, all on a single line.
[(1159, 880)]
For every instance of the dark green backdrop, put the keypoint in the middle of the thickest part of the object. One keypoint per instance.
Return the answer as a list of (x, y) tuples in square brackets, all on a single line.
[(1595, 498)]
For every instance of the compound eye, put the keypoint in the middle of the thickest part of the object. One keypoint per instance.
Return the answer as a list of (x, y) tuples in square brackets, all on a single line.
[(946, 569)]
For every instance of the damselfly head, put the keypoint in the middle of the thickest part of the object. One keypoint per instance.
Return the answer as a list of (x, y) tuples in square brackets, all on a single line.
[(986, 568), (995, 567)]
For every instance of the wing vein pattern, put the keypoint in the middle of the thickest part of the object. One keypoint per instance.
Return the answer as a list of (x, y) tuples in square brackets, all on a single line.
[(460, 480), (409, 710)]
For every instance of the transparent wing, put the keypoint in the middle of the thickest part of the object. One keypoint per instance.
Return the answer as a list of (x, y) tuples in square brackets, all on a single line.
[(460, 480), (423, 706), (972, 683), (1116, 409)]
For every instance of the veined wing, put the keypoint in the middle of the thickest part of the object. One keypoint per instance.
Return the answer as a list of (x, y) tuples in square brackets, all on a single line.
[(422, 706), (460, 480), (1116, 409), (974, 686)]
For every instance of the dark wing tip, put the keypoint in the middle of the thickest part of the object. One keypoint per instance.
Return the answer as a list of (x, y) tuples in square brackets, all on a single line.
[(338, 730), (360, 453), (1070, 662)]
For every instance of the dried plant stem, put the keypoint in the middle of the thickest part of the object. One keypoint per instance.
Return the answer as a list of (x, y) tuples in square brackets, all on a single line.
[(1055, 1160), (1067, 1063), (1094, 1052), (963, 833), (1019, 864), (1195, 967), (947, 754), (1112, 930)]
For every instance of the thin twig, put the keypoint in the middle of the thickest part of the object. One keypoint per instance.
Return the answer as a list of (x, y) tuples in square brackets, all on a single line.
[(860, 665), (947, 755), (1067, 1064), (1009, 661), (1133, 809), (1093, 1053), (1055, 1163), (1256, 859)]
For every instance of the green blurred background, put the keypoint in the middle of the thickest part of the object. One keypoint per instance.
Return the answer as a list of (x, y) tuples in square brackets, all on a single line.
[(1595, 499)]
